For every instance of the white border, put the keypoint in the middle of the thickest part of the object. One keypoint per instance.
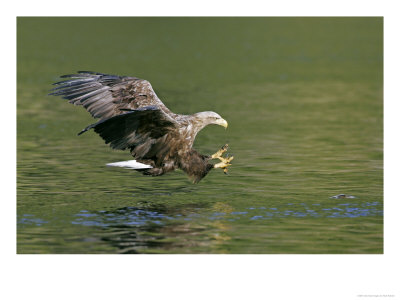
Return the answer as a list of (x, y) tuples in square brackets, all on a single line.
[(200, 276)]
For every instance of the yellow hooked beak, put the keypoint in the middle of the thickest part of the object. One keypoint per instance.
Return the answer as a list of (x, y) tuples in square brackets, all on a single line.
[(222, 123)]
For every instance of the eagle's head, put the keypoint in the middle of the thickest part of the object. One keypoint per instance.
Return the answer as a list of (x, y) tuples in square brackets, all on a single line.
[(210, 117)]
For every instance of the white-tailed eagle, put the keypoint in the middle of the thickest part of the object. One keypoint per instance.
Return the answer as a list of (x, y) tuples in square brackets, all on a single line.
[(131, 116)]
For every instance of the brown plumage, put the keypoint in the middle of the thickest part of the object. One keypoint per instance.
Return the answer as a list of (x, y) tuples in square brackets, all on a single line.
[(131, 116)]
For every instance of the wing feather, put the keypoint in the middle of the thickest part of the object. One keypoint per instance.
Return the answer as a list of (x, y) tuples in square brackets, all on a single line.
[(104, 95), (144, 131)]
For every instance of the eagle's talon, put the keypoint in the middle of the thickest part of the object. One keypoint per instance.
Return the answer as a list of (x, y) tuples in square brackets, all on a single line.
[(219, 153), (224, 163)]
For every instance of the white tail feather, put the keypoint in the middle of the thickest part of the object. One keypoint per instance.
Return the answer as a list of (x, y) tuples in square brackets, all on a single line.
[(129, 164)]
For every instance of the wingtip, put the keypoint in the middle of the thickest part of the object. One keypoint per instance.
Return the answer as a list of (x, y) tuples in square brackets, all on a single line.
[(82, 131), (80, 74), (89, 127)]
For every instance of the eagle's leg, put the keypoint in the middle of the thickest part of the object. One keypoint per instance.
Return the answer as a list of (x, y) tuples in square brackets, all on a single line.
[(225, 161)]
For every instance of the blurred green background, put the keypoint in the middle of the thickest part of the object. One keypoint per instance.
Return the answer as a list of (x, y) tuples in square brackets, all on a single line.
[(304, 102)]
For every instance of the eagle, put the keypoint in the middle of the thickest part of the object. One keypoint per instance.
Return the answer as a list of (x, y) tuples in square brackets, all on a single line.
[(131, 116)]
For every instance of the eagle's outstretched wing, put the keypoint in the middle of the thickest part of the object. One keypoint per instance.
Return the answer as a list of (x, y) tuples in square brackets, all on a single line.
[(105, 96), (144, 131)]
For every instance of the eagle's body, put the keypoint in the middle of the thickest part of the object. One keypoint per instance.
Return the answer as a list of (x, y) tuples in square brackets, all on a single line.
[(131, 116)]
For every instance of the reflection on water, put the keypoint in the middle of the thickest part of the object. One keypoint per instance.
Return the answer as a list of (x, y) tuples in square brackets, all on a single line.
[(133, 216), (138, 230), (126, 229)]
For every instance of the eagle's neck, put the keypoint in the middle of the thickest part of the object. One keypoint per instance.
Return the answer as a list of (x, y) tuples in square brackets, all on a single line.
[(192, 128), (198, 124)]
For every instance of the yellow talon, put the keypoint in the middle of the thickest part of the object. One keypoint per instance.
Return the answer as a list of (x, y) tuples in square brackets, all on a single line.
[(225, 161), (220, 152)]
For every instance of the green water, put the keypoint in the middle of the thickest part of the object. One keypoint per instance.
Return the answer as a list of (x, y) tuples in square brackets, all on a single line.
[(304, 102)]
